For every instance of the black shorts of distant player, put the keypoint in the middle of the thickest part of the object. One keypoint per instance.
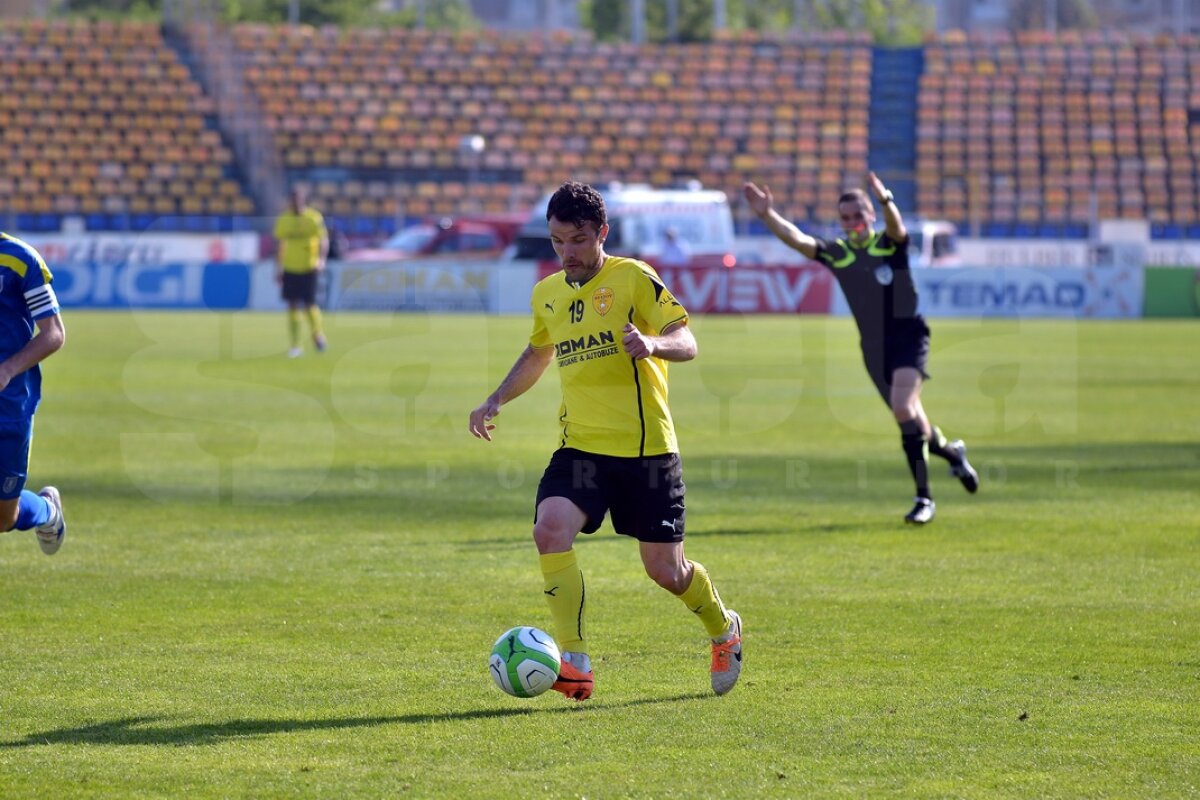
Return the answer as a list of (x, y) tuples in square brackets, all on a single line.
[(644, 495), (906, 344), (300, 287)]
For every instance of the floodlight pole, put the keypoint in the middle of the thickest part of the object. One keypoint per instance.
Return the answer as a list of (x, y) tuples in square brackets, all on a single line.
[(472, 146)]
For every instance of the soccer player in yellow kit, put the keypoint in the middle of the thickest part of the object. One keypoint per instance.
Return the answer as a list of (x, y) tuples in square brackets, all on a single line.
[(612, 326), (303, 244)]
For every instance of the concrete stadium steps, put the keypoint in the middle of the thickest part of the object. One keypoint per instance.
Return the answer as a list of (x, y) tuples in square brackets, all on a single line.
[(895, 73)]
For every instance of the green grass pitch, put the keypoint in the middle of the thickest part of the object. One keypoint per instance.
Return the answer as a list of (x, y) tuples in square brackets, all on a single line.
[(283, 578)]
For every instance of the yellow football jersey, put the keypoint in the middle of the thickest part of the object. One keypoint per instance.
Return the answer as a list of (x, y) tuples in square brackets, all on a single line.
[(299, 237), (612, 404)]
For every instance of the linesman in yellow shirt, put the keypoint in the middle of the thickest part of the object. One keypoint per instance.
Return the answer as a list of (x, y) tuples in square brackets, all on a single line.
[(612, 327), (303, 244)]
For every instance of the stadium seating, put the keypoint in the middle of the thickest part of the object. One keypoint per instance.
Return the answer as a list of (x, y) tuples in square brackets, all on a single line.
[(112, 128), (1016, 134), (374, 120), (1044, 133)]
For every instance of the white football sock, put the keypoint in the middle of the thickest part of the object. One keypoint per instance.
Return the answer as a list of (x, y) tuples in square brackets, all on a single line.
[(579, 661)]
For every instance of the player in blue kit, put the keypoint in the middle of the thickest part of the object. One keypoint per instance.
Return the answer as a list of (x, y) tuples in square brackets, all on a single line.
[(27, 302)]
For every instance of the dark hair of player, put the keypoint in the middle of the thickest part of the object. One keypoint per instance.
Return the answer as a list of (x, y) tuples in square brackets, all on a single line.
[(577, 203)]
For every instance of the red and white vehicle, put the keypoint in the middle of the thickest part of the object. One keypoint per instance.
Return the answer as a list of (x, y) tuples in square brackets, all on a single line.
[(473, 237)]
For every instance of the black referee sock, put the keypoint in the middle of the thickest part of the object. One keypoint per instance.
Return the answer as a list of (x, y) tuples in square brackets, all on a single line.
[(937, 445), (916, 449)]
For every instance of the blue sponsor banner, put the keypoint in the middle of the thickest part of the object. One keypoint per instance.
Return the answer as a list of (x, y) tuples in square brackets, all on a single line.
[(1079, 293), (1030, 292), (215, 285)]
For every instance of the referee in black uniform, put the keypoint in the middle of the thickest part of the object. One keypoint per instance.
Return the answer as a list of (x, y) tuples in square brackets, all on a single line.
[(872, 270)]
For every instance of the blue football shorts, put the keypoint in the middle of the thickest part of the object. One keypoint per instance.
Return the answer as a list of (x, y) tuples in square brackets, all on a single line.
[(16, 439)]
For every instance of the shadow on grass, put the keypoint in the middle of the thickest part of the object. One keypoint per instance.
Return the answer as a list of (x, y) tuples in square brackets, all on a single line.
[(606, 535), (478, 497), (143, 730)]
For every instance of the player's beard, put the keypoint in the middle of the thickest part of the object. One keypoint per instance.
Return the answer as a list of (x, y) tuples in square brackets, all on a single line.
[(579, 273)]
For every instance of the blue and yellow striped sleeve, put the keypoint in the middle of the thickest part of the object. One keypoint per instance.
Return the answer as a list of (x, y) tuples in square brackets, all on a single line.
[(25, 263)]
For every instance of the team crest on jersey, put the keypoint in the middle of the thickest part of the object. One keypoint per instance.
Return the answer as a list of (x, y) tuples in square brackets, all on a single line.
[(602, 300), (884, 274)]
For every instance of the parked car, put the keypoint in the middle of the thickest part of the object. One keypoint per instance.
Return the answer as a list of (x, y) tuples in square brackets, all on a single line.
[(475, 236)]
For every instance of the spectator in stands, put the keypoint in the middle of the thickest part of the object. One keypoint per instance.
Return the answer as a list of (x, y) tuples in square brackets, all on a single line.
[(612, 327), (302, 246), (872, 270), (675, 250), (27, 301)]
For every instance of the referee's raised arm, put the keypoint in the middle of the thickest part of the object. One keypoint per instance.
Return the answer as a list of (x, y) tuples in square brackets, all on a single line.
[(893, 222), (761, 202)]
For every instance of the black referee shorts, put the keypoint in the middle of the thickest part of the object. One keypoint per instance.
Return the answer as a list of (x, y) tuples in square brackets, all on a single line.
[(905, 344), (644, 495)]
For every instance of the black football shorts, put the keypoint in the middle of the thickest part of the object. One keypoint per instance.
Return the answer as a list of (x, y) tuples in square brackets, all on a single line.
[(300, 287), (644, 495)]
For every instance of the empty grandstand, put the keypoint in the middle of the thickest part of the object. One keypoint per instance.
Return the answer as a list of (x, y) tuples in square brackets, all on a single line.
[(102, 120), (1009, 134), (1043, 135), (375, 120)]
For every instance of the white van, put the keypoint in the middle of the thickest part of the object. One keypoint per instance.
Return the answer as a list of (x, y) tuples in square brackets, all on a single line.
[(933, 243), (639, 217)]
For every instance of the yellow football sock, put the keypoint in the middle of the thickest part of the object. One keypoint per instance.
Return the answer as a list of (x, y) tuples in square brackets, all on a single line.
[(563, 588), (702, 599), (314, 320), (294, 326)]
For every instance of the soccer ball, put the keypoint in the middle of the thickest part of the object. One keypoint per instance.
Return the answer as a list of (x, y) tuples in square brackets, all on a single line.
[(525, 661)]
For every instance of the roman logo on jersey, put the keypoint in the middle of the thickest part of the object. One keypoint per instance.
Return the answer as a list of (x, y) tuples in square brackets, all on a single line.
[(589, 342), (602, 300)]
